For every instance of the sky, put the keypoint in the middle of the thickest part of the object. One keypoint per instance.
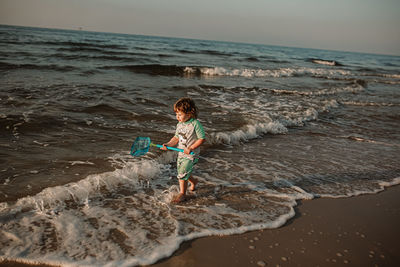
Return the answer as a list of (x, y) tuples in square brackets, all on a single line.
[(371, 26)]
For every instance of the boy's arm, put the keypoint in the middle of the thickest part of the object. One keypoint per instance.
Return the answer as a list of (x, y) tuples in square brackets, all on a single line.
[(196, 144), (173, 142)]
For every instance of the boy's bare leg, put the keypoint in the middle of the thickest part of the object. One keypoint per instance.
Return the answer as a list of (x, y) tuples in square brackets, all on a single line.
[(193, 183), (182, 188)]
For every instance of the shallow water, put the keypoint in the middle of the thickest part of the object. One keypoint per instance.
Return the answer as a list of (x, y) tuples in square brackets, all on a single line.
[(283, 124)]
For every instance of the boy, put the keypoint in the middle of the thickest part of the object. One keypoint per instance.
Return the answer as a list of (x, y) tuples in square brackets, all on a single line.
[(189, 136)]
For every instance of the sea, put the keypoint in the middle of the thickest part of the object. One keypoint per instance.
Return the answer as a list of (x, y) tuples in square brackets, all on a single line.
[(282, 124)]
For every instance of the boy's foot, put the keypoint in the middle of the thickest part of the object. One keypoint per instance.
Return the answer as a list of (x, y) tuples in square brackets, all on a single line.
[(193, 184), (179, 198)]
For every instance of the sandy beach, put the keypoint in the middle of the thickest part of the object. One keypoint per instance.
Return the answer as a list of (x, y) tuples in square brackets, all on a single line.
[(357, 231)]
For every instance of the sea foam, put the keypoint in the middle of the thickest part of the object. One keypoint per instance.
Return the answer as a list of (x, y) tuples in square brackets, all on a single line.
[(74, 221), (281, 72)]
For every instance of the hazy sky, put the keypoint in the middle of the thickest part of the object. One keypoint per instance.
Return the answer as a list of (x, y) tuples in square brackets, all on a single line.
[(348, 25)]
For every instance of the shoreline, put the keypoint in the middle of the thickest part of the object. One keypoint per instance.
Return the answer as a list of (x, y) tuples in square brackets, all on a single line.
[(356, 231)]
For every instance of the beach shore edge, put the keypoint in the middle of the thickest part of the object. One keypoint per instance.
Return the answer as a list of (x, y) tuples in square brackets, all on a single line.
[(355, 231)]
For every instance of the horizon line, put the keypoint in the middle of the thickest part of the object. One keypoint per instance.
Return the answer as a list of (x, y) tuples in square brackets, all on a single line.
[(81, 29)]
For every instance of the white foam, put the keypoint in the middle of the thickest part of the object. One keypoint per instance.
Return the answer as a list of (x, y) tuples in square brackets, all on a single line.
[(327, 91), (276, 73), (366, 140), (140, 223), (53, 198), (393, 182), (40, 143), (324, 62), (247, 132), (69, 236), (77, 238), (366, 104), (354, 193), (279, 126), (308, 115), (77, 162), (395, 76)]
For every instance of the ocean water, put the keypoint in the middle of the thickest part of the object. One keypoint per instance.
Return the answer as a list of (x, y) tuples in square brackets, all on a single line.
[(283, 124)]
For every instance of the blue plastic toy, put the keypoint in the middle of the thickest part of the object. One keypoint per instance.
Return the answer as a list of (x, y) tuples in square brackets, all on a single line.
[(142, 144)]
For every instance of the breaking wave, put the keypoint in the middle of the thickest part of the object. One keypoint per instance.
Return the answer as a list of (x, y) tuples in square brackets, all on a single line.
[(174, 70), (328, 91), (278, 126), (325, 62)]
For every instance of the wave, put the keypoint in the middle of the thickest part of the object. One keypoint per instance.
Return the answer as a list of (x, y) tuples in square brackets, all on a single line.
[(379, 72), (367, 104), (105, 109), (81, 45), (135, 228), (394, 76), (250, 131), (175, 70), (204, 52), (328, 91), (214, 53), (51, 67), (276, 73), (51, 199), (81, 49), (152, 69), (185, 51), (279, 126), (28, 123), (101, 55), (13, 54), (325, 62), (68, 46), (252, 59), (359, 138)]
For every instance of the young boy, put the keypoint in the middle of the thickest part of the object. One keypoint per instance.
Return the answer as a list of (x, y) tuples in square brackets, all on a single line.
[(189, 136)]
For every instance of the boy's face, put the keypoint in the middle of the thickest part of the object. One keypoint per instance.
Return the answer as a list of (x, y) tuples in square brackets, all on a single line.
[(182, 117)]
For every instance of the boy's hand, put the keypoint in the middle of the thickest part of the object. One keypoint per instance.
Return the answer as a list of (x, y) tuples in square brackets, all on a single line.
[(187, 150), (164, 146)]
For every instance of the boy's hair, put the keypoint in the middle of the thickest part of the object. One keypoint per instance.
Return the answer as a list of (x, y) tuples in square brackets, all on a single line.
[(187, 106)]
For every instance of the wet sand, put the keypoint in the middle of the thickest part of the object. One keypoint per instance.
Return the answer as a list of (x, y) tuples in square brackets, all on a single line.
[(357, 231)]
